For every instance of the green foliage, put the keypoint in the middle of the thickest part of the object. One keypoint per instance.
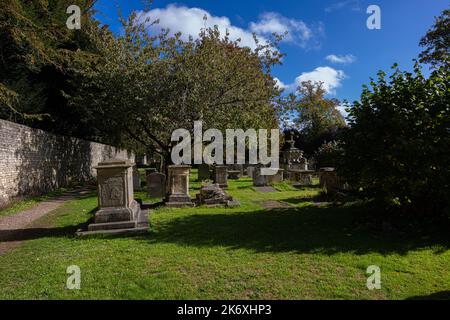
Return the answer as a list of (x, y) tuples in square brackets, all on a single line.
[(437, 42), (141, 87), (315, 117), (397, 147), (36, 48), (329, 154)]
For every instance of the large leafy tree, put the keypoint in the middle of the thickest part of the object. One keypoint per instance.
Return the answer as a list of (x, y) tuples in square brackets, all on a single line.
[(142, 87), (313, 115), (437, 42), (36, 48), (397, 147)]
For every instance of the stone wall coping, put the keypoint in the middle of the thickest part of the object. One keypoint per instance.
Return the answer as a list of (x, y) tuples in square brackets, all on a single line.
[(115, 163)]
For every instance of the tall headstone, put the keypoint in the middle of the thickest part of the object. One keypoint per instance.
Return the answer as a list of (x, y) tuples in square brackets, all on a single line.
[(136, 178), (117, 207), (204, 172), (250, 170), (259, 180), (178, 186), (221, 176), (156, 185)]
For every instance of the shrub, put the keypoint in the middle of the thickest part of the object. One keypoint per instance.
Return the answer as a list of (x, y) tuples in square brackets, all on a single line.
[(328, 154), (397, 149)]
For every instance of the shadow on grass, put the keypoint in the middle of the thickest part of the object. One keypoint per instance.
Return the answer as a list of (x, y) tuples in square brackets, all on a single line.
[(442, 295), (326, 230), (302, 230)]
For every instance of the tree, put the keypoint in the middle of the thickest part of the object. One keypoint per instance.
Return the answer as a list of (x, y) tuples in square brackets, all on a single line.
[(36, 48), (397, 146), (437, 42), (314, 116), (142, 86)]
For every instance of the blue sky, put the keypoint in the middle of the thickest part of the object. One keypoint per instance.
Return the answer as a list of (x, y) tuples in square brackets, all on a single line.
[(328, 39)]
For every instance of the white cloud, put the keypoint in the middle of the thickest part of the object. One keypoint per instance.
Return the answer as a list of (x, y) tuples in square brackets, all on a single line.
[(272, 22), (190, 21), (280, 84), (342, 59), (354, 5), (342, 110), (330, 77)]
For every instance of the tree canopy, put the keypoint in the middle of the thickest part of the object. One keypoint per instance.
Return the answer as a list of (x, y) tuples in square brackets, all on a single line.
[(437, 42), (141, 87)]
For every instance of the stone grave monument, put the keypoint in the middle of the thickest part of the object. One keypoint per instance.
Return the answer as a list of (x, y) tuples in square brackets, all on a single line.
[(119, 212), (156, 185), (204, 172), (178, 187), (221, 176)]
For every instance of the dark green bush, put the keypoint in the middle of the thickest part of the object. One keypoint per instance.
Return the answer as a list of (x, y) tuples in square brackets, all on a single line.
[(397, 149)]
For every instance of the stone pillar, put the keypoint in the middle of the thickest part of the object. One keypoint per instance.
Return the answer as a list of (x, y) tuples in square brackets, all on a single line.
[(221, 176), (117, 207), (178, 186), (156, 185)]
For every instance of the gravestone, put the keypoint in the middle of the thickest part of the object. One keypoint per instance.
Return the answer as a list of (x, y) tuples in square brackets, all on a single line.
[(156, 185), (330, 181), (212, 195), (178, 187), (118, 211), (234, 174), (204, 172), (236, 167), (259, 180), (221, 176), (276, 178), (136, 178), (250, 170)]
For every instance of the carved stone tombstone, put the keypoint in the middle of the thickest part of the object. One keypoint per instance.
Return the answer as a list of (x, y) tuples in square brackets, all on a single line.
[(178, 187), (221, 176), (156, 185), (203, 172), (118, 210)]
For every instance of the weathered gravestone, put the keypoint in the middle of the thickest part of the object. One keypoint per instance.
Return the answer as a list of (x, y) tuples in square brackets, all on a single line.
[(233, 174), (118, 211), (156, 185), (213, 195), (221, 176), (237, 170), (259, 180), (330, 181), (250, 170), (204, 172), (136, 178), (276, 178), (178, 187)]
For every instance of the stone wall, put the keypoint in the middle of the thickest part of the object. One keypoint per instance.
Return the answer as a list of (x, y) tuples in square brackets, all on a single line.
[(33, 161)]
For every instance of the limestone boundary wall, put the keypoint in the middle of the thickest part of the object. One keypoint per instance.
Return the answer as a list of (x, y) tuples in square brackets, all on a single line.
[(33, 161)]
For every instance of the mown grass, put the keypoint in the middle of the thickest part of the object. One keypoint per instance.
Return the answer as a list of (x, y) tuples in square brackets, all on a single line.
[(305, 252)]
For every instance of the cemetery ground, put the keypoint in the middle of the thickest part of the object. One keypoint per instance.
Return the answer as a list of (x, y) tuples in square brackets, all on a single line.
[(274, 246)]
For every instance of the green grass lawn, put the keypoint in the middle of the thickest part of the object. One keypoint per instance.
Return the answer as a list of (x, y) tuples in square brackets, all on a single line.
[(306, 252)]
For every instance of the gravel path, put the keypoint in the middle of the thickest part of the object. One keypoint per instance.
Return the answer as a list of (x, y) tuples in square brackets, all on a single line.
[(12, 228)]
